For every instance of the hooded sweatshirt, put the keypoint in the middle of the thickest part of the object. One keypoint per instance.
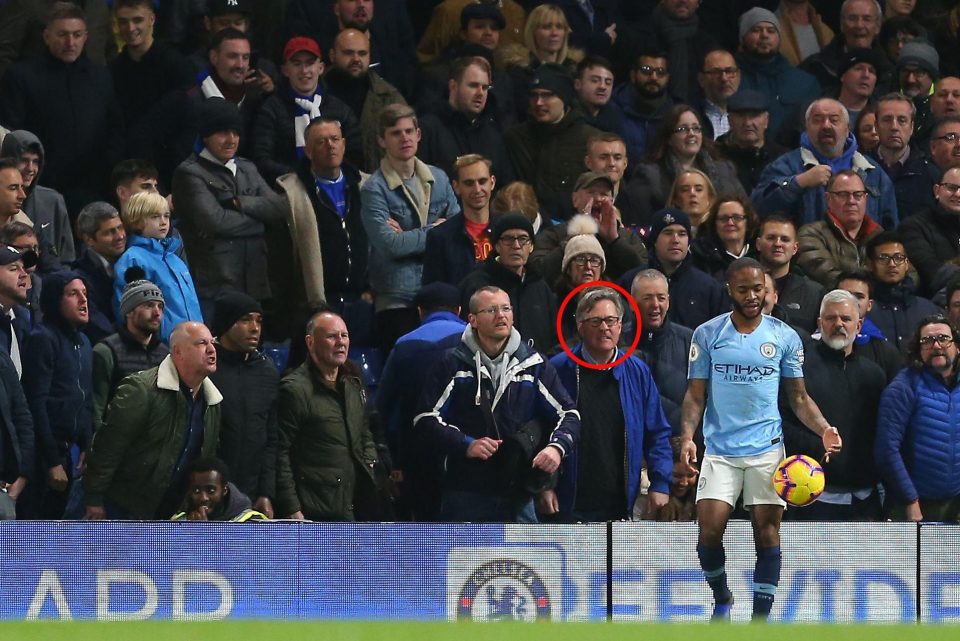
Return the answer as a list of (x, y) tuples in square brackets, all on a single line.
[(44, 206), (57, 377)]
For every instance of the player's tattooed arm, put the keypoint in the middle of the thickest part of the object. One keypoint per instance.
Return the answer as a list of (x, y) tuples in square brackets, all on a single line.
[(694, 402), (803, 406)]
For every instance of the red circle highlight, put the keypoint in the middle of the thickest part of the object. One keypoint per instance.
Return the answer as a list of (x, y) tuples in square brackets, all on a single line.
[(633, 306)]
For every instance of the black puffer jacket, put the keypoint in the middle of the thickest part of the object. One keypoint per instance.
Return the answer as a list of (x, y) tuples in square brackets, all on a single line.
[(248, 432), (449, 134)]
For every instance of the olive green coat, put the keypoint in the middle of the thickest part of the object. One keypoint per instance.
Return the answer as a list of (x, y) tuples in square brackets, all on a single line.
[(132, 456), (327, 453)]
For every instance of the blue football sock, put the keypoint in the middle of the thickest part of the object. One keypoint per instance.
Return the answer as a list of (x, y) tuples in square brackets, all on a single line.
[(766, 576), (713, 560)]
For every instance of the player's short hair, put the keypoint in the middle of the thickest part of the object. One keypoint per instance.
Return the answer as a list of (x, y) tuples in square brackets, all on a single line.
[(743, 263)]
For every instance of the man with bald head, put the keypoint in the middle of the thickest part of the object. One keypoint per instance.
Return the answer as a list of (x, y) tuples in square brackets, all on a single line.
[(159, 421), (795, 183), (350, 79)]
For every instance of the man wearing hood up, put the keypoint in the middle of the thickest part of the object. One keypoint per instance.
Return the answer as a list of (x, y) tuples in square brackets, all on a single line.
[(58, 382), (44, 206), (497, 410), (796, 182)]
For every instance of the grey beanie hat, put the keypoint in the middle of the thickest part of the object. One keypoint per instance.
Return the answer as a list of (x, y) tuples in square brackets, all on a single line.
[(922, 54), (138, 292), (751, 18)]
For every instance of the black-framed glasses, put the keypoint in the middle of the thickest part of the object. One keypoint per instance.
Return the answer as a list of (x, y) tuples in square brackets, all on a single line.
[(942, 339), (523, 241), (952, 137), (951, 188), (845, 195), (593, 261), (685, 129), (647, 70), (725, 71), (736, 218), (597, 321), (896, 259)]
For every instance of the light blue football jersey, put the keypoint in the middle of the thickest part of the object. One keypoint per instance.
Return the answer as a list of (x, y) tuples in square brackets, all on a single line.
[(743, 373)]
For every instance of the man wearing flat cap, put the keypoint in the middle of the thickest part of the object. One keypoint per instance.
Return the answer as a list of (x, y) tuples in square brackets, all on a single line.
[(134, 347), (224, 207), (595, 214), (533, 301), (746, 145), (547, 150), (249, 383), (418, 471)]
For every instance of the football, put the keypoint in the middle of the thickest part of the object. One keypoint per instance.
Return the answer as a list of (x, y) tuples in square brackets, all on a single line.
[(799, 480)]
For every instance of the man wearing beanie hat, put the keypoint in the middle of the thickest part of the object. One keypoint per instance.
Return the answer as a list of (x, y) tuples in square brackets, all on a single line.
[(134, 347), (763, 67), (695, 296), (224, 207), (547, 150), (596, 216), (420, 470), (858, 79), (918, 67), (860, 22), (58, 385), (534, 303), (249, 383)]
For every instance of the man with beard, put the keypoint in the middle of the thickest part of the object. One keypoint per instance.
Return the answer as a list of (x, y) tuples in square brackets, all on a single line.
[(917, 427), (738, 362), (763, 68), (623, 423), (135, 347), (643, 101), (351, 79), (795, 183), (846, 387)]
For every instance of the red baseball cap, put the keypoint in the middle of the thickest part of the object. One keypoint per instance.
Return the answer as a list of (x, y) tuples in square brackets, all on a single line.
[(298, 44)]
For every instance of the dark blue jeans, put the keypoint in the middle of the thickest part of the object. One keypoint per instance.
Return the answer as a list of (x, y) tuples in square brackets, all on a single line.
[(484, 508)]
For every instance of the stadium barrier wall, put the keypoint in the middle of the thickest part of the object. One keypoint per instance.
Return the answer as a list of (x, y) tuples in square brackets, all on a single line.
[(881, 572)]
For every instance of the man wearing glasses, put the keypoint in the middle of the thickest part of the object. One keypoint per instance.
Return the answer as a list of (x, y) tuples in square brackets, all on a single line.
[(644, 100), (719, 79), (498, 412), (623, 419), (534, 303), (839, 243), (796, 182), (897, 310), (932, 236), (917, 424)]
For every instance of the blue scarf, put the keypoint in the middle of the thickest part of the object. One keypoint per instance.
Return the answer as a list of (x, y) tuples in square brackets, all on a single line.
[(305, 108), (841, 162)]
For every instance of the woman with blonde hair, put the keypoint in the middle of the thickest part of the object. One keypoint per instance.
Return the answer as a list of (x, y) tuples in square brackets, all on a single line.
[(151, 255), (694, 193)]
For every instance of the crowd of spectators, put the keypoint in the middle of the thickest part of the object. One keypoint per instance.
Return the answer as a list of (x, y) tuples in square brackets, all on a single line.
[(332, 259)]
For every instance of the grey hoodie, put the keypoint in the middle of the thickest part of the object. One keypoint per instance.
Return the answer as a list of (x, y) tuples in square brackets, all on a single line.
[(44, 206), (496, 367)]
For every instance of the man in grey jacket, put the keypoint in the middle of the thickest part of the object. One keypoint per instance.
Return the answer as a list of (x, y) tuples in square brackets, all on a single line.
[(224, 208), (44, 206)]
